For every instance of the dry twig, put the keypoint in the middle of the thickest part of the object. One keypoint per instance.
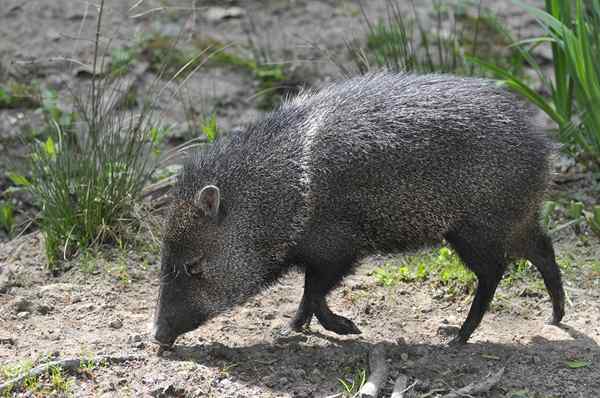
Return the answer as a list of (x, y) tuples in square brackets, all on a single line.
[(400, 386), (379, 371), (477, 388)]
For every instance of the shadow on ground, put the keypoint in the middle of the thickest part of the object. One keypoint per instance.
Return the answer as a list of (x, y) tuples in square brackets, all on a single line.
[(290, 362)]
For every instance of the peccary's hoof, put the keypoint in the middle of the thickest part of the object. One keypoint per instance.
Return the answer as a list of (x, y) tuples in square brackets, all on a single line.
[(341, 325), (300, 325), (457, 341), (554, 321)]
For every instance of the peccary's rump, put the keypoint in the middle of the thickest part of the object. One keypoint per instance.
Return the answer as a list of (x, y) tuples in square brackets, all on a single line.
[(377, 163)]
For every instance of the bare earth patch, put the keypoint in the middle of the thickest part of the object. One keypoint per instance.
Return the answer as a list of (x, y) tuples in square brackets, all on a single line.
[(243, 353)]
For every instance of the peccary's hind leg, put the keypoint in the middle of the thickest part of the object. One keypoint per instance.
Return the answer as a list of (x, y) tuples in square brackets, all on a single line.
[(488, 263), (316, 286), (305, 311), (541, 254)]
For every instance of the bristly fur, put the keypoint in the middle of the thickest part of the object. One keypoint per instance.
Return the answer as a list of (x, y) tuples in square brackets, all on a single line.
[(376, 163)]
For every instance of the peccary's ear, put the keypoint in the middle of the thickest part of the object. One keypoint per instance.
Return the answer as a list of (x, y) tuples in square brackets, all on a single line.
[(208, 200)]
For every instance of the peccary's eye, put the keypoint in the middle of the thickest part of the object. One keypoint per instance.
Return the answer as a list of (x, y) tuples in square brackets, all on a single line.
[(194, 267)]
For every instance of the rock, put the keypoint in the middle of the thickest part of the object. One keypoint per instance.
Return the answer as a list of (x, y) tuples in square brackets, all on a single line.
[(7, 278), (116, 323), (23, 315), (168, 390), (404, 356), (134, 338), (316, 374), (6, 340), (44, 309), (21, 304), (215, 14), (448, 330)]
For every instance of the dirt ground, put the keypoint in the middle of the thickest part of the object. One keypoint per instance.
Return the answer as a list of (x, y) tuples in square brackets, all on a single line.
[(103, 305)]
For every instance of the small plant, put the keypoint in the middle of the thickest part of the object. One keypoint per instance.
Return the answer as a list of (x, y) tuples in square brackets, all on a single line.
[(7, 218), (209, 127), (522, 271), (121, 270), (547, 213), (594, 220), (89, 171), (353, 381), (402, 43), (442, 267), (9, 372), (388, 276), (17, 95), (575, 86), (59, 382)]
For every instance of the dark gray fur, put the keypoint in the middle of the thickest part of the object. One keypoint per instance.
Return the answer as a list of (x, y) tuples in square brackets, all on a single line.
[(375, 164)]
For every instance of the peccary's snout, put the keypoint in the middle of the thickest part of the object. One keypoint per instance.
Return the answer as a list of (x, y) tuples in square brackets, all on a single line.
[(162, 334)]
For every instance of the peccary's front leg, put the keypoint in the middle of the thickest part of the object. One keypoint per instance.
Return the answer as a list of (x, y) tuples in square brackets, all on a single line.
[(313, 302)]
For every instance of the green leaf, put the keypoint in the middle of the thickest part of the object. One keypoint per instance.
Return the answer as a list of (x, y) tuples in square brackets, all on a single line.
[(209, 127), (49, 147), (577, 364), (18, 179), (575, 210)]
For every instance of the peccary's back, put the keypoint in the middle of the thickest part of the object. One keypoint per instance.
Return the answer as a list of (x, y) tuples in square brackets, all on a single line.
[(398, 160), (378, 162)]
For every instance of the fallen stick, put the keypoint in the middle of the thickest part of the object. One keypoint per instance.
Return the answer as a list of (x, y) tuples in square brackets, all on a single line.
[(477, 388), (379, 371), (65, 364), (400, 386)]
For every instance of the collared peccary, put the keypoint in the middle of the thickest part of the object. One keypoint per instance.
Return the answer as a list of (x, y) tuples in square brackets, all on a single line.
[(374, 164)]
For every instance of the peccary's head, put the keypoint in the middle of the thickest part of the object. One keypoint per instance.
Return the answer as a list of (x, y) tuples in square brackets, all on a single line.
[(190, 290)]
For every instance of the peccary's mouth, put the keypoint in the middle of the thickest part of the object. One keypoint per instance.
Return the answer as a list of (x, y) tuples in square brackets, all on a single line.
[(164, 344), (162, 338)]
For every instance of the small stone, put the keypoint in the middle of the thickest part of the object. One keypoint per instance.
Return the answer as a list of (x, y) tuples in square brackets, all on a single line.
[(269, 380), (116, 323), (404, 356), (44, 309), (6, 278), (23, 315), (448, 330), (21, 304), (5, 340), (316, 373), (215, 14), (134, 338), (401, 341), (269, 316), (165, 353)]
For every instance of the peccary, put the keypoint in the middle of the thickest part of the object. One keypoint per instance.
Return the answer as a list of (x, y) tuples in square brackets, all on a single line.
[(374, 164)]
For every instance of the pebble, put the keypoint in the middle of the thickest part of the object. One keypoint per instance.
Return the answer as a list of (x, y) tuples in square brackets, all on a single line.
[(21, 304), (6, 279), (23, 315), (44, 309), (7, 340), (448, 330), (116, 323), (219, 13)]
